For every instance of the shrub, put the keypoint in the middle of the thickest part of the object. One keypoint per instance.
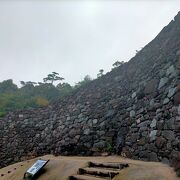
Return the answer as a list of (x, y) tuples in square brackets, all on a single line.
[(109, 147), (2, 113), (40, 101)]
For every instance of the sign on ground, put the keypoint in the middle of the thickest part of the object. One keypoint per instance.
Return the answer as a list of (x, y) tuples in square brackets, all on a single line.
[(36, 167)]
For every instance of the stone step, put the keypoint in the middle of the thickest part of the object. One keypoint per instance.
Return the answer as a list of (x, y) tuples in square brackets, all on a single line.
[(98, 172), (85, 177), (117, 166)]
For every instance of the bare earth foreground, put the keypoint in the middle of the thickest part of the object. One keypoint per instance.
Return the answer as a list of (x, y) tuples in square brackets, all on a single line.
[(61, 167)]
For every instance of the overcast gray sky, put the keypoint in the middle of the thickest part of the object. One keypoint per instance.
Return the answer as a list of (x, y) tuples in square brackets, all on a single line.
[(75, 38)]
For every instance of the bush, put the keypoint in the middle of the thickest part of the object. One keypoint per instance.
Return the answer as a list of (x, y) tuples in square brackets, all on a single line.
[(109, 147), (2, 113), (40, 101)]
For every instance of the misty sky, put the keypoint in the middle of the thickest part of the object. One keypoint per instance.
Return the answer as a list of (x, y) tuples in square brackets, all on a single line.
[(75, 38)]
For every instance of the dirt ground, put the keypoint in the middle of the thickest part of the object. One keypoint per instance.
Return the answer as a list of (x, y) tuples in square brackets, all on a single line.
[(59, 168)]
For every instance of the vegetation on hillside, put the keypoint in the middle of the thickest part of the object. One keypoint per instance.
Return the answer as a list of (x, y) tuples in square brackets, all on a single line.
[(32, 94), (38, 94)]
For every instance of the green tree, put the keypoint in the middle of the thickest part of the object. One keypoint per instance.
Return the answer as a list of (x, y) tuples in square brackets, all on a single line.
[(28, 83), (117, 64), (86, 80), (47, 91), (8, 86), (64, 88), (54, 76), (101, 71), (22, 83), (29, 95)]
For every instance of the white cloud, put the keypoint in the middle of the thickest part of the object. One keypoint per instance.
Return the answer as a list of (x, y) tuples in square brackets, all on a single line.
[(75, 38)]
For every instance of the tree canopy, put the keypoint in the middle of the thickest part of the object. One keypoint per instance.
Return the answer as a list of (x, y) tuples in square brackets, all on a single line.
[(32, 94), (118, 63), (54, 76), (101, 71)]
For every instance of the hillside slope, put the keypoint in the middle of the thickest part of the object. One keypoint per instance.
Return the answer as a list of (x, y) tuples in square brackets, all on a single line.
[(134, 110)]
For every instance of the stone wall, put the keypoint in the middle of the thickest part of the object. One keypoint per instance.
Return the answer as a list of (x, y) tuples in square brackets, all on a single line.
[(134, 108)]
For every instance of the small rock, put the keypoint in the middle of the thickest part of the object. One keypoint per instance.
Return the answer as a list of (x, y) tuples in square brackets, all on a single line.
[(153, 123), (160, 124), (153, 135), (162, 72), (166, 100), (143, 129), (132, 113), (168, 134), (165, 161), (178, 53), (87, 131), (133, 95), (178, 109), (102, 124), (140, 111), (118, 78), (138, 121), (162, 82), (152, 147), (100, 145), (160, 142), (153, 157), (95, 121), (105, 154), (100, 133), (158, 111), (151, 103), (171, 92), (89, 122), (68, 118), (151, 86), (177, 98), (109, 113), (129, 109), (171, 71), (21, 116), (144, 124), (80, 115), (142, 141)]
